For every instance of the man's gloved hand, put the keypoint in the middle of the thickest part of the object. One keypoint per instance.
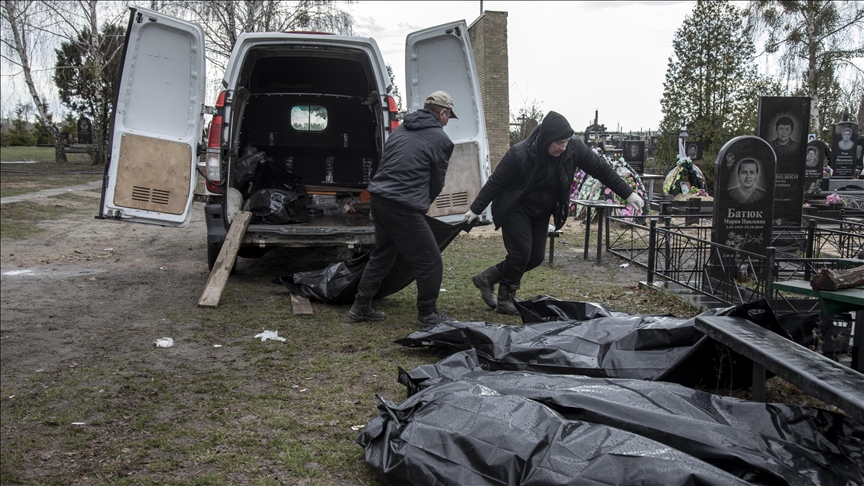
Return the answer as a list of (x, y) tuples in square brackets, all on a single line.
[(636, 201), (469, 217)]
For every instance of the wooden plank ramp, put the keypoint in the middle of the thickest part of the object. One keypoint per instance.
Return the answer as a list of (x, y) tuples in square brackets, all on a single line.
[(225, 261), (300, 305)]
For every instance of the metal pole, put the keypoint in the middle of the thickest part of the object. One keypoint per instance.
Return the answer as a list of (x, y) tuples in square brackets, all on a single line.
[(769, 275), (652, 241), (587, 230), (808, 252)]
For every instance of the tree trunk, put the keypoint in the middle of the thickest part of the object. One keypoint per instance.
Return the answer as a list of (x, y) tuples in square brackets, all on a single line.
[(16, 24)]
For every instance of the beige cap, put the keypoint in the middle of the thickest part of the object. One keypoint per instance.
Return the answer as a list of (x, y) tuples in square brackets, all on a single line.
[(441, 98)]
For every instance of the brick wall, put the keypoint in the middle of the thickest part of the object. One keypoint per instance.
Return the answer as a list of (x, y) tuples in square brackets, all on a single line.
[(488, 36)]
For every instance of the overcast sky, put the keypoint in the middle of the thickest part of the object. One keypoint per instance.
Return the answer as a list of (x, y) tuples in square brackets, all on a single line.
[(572, 57)]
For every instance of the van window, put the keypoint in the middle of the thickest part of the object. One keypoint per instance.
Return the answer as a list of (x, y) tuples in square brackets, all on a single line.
[(309, 118)]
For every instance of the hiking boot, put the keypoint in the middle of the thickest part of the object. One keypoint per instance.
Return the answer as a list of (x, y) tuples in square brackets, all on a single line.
[(506, 296), (363, 311), (432, 319), (485, 281)]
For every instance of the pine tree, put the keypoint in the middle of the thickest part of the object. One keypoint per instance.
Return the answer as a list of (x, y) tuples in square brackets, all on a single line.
[(712, 85)]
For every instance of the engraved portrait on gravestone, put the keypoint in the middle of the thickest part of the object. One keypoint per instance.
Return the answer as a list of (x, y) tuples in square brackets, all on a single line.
[(812, 157), (634, 151), (692, 151), (783, 144), (747, 187), (846, 142)]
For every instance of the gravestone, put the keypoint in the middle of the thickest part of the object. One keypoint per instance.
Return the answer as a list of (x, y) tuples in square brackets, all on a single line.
[(744, 194), (843, 149), (634, 154), (783, 123), (694, 151), (85, 131), (813, 165)]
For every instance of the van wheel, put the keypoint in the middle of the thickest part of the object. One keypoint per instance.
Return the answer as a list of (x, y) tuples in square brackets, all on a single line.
[(213, 254)]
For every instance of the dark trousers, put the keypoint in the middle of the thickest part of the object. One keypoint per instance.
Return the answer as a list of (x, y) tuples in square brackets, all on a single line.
[(403, 231), (524, 237)]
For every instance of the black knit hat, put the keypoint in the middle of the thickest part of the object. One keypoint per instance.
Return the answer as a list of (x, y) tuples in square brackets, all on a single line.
[(554, 127)]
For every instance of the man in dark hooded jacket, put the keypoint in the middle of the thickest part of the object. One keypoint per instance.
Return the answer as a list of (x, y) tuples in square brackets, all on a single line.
[(409, 177), (530, 184)]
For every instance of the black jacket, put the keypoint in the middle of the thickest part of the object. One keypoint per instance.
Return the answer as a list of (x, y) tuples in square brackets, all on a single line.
[(514, 176), (414, 162)]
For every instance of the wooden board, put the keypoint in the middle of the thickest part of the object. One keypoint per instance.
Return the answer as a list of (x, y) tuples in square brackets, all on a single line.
[(141, 186), (300, 305), (225, 261)]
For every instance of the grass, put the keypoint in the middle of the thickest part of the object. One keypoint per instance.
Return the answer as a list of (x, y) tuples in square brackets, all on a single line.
[(275, 413), (39, 154), (44, 173), (249, 412)]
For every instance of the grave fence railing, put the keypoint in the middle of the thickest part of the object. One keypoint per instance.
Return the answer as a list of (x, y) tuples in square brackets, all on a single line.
[(684, 258)]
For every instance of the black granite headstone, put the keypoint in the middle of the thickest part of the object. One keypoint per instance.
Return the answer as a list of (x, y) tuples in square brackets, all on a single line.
[(815, 160), (744, 194), (843, 149), (694, 150), (85, 131), (634, 154), (783, 123)]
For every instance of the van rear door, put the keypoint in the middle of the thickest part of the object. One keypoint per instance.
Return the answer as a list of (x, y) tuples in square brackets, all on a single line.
[(157, 122), (440, 58)]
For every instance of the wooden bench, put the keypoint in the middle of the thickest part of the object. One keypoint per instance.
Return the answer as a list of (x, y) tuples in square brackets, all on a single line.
[(811, 372)]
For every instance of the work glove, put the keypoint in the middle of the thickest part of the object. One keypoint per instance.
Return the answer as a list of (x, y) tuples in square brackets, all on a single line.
[(469, 217), (635, 201)]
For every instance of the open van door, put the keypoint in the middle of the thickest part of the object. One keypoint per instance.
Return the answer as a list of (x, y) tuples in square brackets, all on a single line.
[(441, 58), (156, 127)]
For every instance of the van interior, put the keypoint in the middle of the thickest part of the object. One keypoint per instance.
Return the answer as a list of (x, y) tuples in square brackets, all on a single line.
[(316, 114)]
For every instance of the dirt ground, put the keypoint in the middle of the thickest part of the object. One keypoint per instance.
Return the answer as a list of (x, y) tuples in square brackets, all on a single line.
[(85, 285), (92, 293)]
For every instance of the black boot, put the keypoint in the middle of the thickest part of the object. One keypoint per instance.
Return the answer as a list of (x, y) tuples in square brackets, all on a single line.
[(485, 281), (505, 304), (362, 310)]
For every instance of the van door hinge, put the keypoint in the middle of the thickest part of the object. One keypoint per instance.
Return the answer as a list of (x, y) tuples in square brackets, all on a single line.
[(208, 110)]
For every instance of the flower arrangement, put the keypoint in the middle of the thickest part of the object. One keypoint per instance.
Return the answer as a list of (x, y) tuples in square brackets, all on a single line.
[(834, 199), (685, 178), (588, 188), (827, 171)]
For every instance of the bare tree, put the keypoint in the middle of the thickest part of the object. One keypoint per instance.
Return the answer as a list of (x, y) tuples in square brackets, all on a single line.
[(816, 40), (522, 124), (224, 20), (19, 21), (78, 23)]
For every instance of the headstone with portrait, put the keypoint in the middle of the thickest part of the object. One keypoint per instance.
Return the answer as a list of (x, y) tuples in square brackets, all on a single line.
[(694, 151), (85, 131), (783, 123), (843, 149), (815, 161), (744, 194), (634, 154)]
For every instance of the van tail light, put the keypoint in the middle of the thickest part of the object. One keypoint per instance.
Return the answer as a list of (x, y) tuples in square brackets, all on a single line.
[(391, 106), (213, 166)]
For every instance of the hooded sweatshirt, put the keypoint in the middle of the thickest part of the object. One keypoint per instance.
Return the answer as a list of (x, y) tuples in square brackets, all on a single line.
[(517, 177), (414, 162)]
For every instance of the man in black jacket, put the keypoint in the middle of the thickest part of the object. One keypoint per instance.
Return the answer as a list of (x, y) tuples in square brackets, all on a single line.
[(531, 183), (409, 177)]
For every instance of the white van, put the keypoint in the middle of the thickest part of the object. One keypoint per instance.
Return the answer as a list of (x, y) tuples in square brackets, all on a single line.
[(296, 134)]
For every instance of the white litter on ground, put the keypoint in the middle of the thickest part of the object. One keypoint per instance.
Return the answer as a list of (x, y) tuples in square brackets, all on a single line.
[(164, 342), (274, 335)]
